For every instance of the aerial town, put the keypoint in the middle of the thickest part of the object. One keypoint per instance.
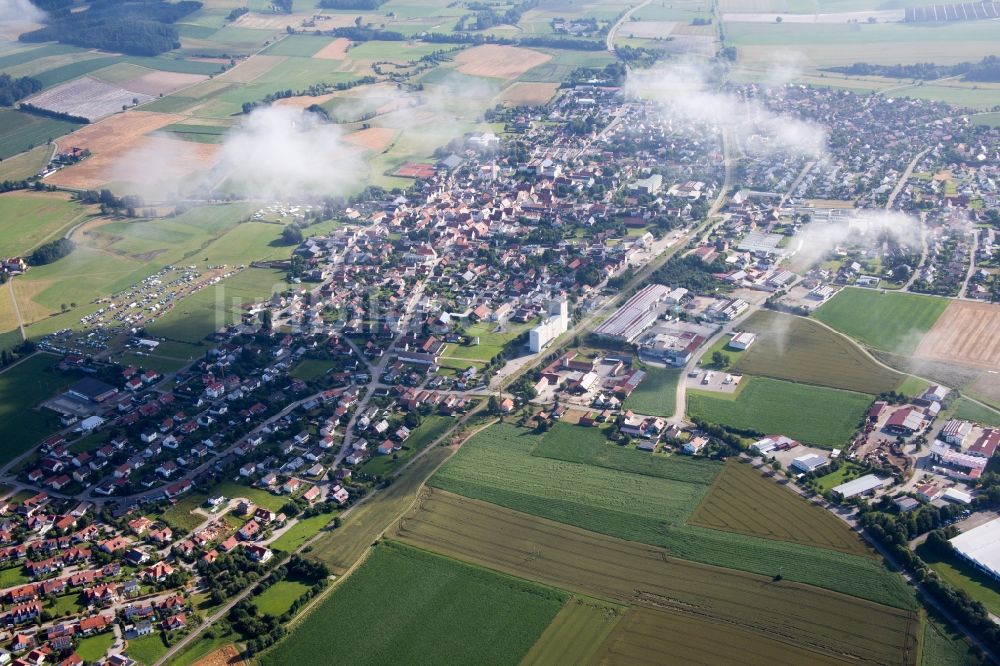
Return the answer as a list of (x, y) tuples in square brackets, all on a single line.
[(748, 326)]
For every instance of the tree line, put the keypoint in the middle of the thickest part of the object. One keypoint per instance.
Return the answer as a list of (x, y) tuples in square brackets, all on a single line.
[(986, 70), (135, 28), (12, 89)]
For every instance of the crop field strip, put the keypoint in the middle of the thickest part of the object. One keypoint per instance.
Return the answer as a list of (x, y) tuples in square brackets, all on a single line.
[(655, 637), (741, 500), (575, 634), (441, 611), (806, 412), (630, 573), (590, 446), (494, 466), (801, 350)]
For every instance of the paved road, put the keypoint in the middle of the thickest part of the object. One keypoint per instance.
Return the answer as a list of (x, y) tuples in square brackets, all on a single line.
[(609, 41)]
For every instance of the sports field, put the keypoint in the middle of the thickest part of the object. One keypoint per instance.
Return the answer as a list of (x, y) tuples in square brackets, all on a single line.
[(810, 414), (422, 608), (891, 321), (742, 500), (627, 572), (801, 350), (657, 394)]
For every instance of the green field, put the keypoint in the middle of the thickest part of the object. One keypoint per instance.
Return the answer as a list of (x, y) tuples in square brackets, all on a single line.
[(969, 411), (26, 164), (199, 315), (492, 339), (657, 394), (891, 321), (943, 646), (802, 350), (590, 446), (301, 532), (179, 515), (28, 220), (278, 598), (94, 648), (23, 387), (259, 497), (146, 650), (963, 576), (810, 414), (422, 608), (627, 572), (496, 466), (822, 45), (297, 45), (21, 131)]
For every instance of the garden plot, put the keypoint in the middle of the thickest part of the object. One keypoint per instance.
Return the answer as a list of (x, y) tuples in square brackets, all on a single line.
[(88, 98)]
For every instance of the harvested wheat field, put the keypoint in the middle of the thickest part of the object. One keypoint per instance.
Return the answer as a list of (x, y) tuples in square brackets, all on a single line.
[(502, 62), (177, 159), (373, 138), (303, 101), (251, 68), (529, 94), (118, 132), (965, 333), (270, 21), (161, 83), (335, 50), (224, 656)]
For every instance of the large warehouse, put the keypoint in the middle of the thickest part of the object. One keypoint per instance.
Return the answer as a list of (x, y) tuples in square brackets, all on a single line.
[(981, 547), (638, 313)]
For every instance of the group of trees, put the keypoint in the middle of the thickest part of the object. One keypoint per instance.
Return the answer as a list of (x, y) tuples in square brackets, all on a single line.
[(986, 70), (691, 273), (110, 203), (12, 89), (486, 16), (51, 251), (134, 27)]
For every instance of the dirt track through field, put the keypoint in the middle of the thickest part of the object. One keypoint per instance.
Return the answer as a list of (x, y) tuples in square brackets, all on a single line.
[(967, 332)]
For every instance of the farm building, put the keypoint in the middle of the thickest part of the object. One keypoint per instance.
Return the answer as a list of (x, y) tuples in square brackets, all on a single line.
[(981, 547), (859, 486), (809, 462), (773, 443), (906, 504), (905, 421), (742, 341), (957, 496)]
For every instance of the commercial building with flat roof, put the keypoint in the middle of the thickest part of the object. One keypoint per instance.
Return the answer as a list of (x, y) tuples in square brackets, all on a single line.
[(636, 315), (859, 486), (981, 547)]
